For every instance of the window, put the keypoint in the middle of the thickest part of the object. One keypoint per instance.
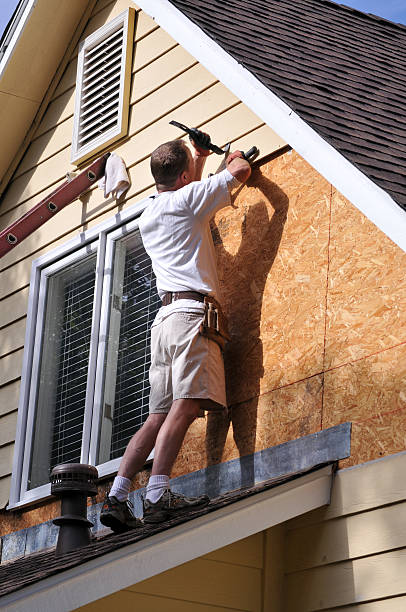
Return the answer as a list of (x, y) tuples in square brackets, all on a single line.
[(103, 87), (85, 389)]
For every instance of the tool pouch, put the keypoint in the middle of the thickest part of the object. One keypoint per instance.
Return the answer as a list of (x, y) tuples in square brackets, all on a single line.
[(214, 324)]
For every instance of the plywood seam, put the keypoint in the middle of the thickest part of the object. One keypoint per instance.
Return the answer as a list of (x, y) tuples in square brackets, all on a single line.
[(379, 415), (326, 305), (342, 365)]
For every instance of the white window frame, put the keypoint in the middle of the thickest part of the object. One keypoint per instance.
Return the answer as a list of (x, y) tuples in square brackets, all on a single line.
[(126, 20), (101, 238)]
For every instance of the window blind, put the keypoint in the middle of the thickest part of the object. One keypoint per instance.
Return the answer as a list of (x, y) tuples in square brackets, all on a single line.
[(72, 372), (139, 305), (60, 403)]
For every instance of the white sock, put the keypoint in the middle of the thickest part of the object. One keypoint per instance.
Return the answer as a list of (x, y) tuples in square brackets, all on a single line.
[(120, 488), (156, 487)]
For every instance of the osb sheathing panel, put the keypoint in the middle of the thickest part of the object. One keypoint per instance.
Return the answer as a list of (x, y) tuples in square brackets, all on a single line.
[(367, 287), (272, 258), (371, 393)]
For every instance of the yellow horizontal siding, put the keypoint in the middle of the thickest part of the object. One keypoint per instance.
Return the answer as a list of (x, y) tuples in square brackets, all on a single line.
[(13, 307), (12, 337), (347, 538), (9, 397), (354, 550), (127, 601), (369, 578), (10, 370), (226, 579), (4, 491), (395, 604), (249, 552), (8, 428), (6, 459), (369, 486)]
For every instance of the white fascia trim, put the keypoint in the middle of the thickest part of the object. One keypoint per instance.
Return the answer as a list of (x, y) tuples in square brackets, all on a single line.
[(122, 568), (18, 30), (370, 199)]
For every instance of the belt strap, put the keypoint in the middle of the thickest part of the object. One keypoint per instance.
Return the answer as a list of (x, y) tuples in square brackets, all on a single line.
[(171, 296)]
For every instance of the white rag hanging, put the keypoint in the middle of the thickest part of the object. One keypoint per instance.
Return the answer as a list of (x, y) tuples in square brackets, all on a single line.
[(115, 180)]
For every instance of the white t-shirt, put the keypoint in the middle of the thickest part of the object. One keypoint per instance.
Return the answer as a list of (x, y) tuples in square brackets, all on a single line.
[(176, 234)]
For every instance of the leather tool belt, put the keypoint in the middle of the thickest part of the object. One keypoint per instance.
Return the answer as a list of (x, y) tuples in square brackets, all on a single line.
[(214, 324), (171, 296)]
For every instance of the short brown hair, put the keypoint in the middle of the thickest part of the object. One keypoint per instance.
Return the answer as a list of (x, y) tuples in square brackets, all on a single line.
[(168, 161)]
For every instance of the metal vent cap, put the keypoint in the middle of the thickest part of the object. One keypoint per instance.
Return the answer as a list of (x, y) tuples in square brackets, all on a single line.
[(74, 477)]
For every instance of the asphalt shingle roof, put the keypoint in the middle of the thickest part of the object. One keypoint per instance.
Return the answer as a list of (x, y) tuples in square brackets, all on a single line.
[(32, 568), (342, 71)]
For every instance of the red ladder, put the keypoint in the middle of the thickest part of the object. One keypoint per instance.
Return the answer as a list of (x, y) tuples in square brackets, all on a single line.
[(49, 206)]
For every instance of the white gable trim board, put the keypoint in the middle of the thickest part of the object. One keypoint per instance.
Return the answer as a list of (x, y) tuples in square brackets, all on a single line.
[(127, 566), (370, 199)]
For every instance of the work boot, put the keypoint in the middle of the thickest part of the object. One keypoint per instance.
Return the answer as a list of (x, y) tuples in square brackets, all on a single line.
[(118, 515), (170, 505)]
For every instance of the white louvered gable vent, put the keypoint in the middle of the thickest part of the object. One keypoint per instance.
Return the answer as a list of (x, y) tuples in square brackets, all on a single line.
[(103, 87)]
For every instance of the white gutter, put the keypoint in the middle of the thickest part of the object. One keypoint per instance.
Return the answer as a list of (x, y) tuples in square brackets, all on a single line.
[(370, 199), (16, 30), (127, 566)]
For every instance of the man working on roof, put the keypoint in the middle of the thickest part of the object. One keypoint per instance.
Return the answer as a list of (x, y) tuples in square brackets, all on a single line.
[(187, 370)]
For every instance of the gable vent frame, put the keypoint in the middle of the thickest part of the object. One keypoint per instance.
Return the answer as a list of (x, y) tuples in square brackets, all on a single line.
[(103, 84)]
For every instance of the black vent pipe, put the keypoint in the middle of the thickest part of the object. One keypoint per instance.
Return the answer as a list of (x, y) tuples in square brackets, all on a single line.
[(73, 483)]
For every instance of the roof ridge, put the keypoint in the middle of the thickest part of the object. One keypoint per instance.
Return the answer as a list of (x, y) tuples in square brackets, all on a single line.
[(364, 14)]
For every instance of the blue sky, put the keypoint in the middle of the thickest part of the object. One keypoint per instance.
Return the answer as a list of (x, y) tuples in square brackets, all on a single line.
[(394, 10)]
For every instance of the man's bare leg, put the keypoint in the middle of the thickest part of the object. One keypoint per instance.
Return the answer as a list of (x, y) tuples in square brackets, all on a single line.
[(140, 446), (171, 435)]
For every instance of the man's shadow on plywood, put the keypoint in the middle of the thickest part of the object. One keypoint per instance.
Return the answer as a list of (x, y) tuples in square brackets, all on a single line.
[(243, 277)]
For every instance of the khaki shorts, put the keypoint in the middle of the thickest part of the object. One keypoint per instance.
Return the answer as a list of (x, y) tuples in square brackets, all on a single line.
[(184, 364)]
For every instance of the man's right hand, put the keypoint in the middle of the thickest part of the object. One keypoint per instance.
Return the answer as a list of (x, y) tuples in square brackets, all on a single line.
[(238, 166), (200, 143)]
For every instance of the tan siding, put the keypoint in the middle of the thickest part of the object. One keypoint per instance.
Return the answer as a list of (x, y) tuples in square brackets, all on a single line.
[(9, 397), (249, 551), (4, 491), (13, 307), (127, 601), (396, 604), (10, 367), (373, 577), (227, 579), (6, 459), (8, 428), (347, 538), (12, 337), (357, 490), (356, 550)]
